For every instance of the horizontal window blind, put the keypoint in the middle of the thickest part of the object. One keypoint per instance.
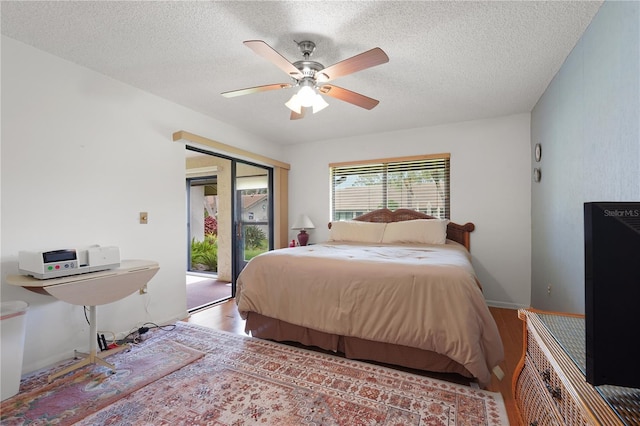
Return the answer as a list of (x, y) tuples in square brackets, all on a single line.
[(416, 183)]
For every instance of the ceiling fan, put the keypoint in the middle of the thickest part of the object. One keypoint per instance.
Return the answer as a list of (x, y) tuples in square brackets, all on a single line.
[(312, 77)]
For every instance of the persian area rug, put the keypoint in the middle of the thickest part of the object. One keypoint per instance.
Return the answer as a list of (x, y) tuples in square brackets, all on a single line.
[(74, 396), (247, 381)]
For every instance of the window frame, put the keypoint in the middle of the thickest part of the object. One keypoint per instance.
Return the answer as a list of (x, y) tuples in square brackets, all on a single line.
[(396, 164)]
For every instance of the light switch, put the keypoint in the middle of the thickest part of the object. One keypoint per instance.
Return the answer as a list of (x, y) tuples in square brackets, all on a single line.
[(143, 217)]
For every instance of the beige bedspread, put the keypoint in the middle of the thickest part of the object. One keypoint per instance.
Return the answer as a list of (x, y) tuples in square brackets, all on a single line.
[(419, 296)]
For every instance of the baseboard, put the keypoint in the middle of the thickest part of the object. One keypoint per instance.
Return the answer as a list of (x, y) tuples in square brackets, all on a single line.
[(162, 322), (170, 321)]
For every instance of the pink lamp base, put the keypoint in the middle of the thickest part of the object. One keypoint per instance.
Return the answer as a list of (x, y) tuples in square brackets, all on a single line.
[(303, 237)]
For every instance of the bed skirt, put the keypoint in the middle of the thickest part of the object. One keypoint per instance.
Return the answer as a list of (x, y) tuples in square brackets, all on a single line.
[(352, 347)]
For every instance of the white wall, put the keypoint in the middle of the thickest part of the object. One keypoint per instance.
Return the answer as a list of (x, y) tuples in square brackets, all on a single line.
[(490, 186), (82, 155), (588, 123)]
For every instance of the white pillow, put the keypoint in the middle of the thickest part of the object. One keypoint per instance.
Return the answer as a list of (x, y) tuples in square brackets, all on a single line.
[(422, 231), (356, 231)]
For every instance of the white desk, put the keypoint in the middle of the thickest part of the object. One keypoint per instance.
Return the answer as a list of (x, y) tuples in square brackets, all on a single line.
[(92, 289)]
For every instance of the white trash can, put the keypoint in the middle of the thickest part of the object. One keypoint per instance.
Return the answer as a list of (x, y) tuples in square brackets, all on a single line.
[(12, 330)]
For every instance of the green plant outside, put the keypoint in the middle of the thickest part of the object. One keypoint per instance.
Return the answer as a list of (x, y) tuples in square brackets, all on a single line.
[(254, 237), (255, 242), (205, 253), (250, 254)]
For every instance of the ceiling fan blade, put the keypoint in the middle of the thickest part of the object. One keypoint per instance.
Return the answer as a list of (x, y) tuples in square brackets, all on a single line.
[(296, 116), (349, 96), (368, 59), (256, 89), (271, 55)]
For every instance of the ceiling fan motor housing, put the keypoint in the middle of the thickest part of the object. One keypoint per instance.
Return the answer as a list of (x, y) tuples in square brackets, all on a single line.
[(306, 48), (308, 68)]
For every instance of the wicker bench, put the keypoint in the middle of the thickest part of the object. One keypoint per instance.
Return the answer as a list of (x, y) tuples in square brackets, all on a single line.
[(550, 388)]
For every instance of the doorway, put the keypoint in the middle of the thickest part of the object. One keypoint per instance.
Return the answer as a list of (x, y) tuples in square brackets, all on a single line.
[(229, 221), (204, 286)]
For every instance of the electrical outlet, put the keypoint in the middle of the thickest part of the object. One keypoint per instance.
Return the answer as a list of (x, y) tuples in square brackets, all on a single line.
[(143, 290), (549, 290)]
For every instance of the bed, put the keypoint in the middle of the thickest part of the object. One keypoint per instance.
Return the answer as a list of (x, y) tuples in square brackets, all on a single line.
[(396, 287)]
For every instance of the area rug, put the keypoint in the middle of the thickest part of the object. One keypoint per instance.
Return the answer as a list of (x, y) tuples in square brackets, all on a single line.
[(247, 381), (77, 394)]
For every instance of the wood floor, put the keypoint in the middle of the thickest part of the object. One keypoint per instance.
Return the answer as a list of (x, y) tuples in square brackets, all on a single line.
[(225, 317)]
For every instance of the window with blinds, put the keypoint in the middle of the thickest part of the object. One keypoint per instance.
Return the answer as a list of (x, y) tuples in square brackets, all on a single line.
[(416, 183)]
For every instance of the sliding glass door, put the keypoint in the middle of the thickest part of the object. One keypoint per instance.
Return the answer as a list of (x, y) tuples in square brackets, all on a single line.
[(253, 212), (229, 214)]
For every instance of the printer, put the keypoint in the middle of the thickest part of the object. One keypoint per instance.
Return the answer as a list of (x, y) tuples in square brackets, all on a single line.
[(64, 262)]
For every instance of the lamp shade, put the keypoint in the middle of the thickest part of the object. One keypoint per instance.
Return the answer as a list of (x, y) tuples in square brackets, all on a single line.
[(303, 222), (319, 104), (294, 104)]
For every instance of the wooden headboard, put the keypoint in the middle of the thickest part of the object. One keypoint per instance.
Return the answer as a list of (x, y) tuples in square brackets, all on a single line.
[(456, 232)]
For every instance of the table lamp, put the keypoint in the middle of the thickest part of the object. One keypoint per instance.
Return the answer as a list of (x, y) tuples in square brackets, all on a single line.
[(303, 223)]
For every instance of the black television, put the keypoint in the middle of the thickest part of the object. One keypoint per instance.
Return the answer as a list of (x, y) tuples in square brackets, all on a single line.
[(612, 293)]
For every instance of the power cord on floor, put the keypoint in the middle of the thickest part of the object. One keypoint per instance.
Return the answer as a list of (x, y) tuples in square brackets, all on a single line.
[(152, 325), (135, 335)]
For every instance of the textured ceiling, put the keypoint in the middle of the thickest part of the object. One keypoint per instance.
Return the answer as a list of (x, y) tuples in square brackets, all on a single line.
[(449, 61)]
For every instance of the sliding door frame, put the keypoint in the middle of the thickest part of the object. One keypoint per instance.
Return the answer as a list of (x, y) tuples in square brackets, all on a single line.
[(280, 178)]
